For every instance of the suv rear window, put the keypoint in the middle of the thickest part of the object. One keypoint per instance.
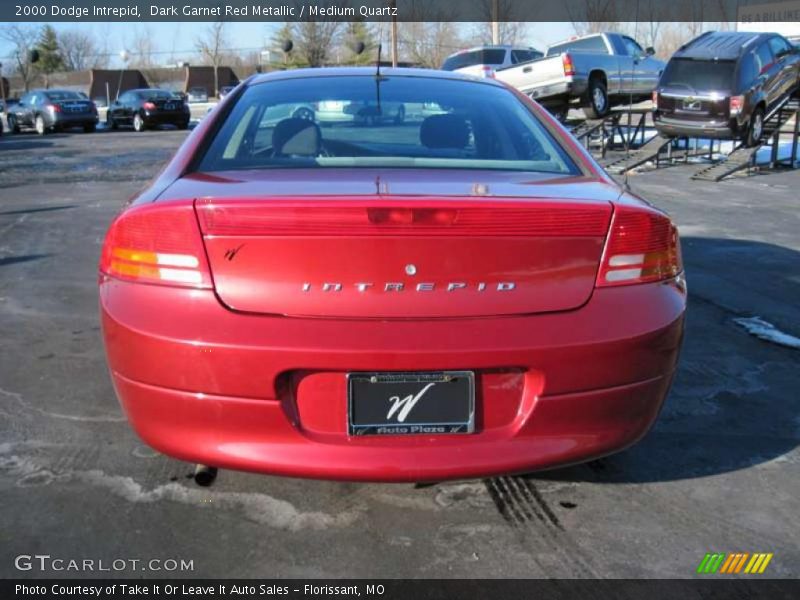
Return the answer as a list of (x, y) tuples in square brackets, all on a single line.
[(396, 122), (494, 56), (696, 75)]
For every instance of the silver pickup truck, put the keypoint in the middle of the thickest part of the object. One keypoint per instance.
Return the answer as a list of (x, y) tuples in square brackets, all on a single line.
[(596, 71)]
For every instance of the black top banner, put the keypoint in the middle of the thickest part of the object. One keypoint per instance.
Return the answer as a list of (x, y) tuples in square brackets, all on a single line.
[(401, 10)]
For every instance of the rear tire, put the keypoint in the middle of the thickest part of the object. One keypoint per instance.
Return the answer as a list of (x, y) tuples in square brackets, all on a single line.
[(596, 104), (41, 127), (755, 129), (183, 125), (138, 123)]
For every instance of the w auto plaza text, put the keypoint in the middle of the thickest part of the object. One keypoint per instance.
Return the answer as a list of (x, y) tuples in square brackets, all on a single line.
[(253, 10)]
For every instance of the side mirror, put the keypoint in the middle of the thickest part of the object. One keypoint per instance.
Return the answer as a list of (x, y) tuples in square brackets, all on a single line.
[(650, 51)]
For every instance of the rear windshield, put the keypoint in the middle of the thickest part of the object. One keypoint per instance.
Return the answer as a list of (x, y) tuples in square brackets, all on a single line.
[(476, 57), (65, 95), (156, 95), (359, 121), (699, 75), (595, 44)]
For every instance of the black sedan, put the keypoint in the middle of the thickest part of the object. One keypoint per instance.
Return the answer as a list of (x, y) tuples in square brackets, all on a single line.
[(52, 110), (146, 108)]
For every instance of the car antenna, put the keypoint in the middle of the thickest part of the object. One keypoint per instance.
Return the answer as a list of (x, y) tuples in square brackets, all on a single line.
[(378, 63)]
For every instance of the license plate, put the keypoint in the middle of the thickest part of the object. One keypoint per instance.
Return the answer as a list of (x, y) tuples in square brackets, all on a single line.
[(169, 106), (432, 403)]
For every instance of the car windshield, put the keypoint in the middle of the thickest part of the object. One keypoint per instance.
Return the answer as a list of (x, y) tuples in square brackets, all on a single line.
[(155, 95), (361, 121), (487, 56), (699, 75), (61, 96)]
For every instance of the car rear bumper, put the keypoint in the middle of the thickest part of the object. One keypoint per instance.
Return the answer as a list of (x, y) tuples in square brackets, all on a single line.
[(166, 118), (721, 130), (78, 120), (267, 393)]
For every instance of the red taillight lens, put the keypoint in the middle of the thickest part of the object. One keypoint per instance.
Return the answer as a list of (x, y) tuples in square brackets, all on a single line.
[(54, 107), (569, 67), (488, 71), (149, 106), (642, 247), (157, 244), (655, 100), (736, 104)]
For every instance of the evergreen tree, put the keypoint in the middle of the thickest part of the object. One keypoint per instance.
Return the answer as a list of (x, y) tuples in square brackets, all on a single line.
[(50, 59)]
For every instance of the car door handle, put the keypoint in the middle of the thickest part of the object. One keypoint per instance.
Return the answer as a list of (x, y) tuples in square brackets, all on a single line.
[(526, 69)]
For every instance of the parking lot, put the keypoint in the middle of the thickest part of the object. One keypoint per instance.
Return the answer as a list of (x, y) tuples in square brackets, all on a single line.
[(719, 472)]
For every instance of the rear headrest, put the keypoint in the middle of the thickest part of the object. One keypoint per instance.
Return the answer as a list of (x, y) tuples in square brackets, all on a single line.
[(444, 131), (298, 137)]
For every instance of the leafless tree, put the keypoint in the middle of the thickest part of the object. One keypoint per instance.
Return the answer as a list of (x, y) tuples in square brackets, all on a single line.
[(594, 16), (428, 43), (212, 48), (510, 29), (79, 50), (142, 48), (22, 39)]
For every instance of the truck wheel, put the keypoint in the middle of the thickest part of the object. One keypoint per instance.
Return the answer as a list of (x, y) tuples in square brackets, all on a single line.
[(597, 105), (755, 128)]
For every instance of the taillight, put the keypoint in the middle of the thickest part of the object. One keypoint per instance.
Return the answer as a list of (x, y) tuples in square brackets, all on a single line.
[(54, 108), (655, 99), (736, 105), (569, 67), (487, 71), (149, 106), (642, 247), (157, 243)]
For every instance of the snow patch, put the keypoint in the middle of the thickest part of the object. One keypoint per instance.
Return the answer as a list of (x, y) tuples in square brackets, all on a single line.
[(766, 331)]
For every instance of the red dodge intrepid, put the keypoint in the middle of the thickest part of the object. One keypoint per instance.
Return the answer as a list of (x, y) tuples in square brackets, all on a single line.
[(433, 281)]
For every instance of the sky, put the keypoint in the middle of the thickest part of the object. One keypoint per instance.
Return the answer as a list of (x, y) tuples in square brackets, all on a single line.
[(177, 39)]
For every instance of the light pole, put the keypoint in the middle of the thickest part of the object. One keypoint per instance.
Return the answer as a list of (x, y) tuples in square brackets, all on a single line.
[(124, 56)]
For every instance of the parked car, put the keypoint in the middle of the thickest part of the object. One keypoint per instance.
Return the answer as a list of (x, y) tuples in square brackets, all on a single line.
[(344, 304), (52, 110), (596, 71), (197, 94), (483, 61), (146, 108), (725, 85)]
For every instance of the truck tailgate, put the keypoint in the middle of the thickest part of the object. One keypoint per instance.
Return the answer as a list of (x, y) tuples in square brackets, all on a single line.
[(534, 74)]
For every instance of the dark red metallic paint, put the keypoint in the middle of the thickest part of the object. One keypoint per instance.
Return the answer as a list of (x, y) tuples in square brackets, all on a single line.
[(565, 371)]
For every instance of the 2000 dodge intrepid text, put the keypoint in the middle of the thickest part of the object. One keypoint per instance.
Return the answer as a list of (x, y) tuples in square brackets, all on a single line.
[(457, 290)]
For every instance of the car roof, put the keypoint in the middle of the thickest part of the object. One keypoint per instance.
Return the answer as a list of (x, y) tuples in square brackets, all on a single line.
[(725, 45), (368, 72), (49, 90)]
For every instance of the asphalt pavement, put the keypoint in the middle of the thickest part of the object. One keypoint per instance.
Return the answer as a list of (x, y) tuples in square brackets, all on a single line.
[(719, 472)]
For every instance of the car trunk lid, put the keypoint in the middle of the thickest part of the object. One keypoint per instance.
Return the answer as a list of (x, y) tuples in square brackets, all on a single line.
[(402, 256)]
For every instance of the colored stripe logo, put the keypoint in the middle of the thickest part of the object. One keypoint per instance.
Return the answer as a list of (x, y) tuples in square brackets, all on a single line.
[(734, 563)]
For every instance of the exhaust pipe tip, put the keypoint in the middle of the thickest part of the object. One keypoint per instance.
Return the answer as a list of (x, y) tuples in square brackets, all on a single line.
[(204, 475)]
